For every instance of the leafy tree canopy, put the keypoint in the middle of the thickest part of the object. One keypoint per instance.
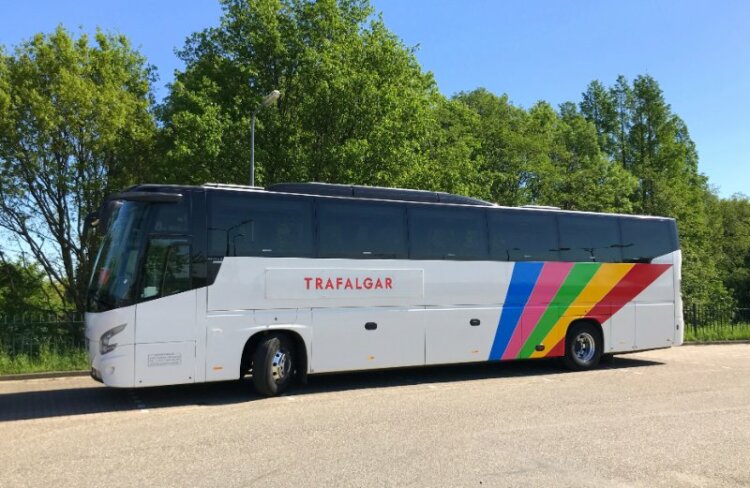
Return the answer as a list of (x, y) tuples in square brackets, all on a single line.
[(354, 107), (74, 125)]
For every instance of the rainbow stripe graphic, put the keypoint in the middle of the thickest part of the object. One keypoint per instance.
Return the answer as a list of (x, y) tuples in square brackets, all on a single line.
[(543, 298)]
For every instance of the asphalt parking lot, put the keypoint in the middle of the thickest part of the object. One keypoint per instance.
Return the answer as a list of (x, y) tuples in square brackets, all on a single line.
[(676, 417)]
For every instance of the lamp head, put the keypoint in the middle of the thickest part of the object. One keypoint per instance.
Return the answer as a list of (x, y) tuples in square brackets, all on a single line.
[(270, 98)]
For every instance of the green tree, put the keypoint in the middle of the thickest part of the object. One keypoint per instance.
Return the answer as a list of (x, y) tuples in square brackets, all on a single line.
[(585, 177), (355, 105), (639, 132), (507, 162), (451, 152), (570, 170), (543, 157), (665, 161), (24, 289), (734, 247), (622, 96), (598, 105), (74, 125)]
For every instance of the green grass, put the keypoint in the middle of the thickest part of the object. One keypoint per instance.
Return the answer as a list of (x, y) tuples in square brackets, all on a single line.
[(738, 332), (48, 359)]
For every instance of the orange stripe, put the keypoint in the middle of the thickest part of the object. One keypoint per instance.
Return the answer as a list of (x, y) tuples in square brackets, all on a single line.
[(603, 281)]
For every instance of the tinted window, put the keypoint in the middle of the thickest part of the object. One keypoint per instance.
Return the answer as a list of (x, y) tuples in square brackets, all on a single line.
[(447, 233), (250, 225), (645, 239), (589, 238), (171, 218), (361, 230), (116, 266), (523, 236), (166, 269)]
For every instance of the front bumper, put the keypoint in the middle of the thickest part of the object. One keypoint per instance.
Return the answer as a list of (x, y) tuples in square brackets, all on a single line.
[(116, 368), (96, 376)]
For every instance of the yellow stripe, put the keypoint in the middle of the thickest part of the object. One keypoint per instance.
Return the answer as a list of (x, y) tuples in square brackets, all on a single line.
[(606, 277)]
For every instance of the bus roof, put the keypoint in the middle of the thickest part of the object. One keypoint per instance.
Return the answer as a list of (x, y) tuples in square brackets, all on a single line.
[(356, 192)]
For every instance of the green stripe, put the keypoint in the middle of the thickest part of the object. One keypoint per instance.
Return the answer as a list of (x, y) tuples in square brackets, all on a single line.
[(577, 279)]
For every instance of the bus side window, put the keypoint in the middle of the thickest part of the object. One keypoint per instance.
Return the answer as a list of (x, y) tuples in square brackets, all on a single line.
[(646, 239), (447, 233), (242, 224), (166, 269), (590, 238), (171, 217), (359, 230), (523, 235)]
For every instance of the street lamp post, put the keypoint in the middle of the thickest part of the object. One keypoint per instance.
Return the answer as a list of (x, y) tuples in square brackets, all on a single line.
[(266, 102)]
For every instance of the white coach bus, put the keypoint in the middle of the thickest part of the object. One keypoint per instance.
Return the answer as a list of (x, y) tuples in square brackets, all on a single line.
[(214, 282)]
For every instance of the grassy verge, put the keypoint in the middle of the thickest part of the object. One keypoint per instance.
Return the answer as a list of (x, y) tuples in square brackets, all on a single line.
[(47, 359), (738, 332)]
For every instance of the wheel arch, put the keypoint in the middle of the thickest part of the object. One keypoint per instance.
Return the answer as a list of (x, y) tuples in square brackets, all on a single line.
[(588, 320), (587, 358), (300, 349)]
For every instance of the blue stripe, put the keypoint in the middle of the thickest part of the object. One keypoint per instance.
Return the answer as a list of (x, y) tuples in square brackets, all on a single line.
[(521, 285)]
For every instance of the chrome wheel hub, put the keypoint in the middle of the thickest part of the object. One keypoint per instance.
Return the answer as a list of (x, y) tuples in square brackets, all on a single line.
[(584, 347), (281, 365)]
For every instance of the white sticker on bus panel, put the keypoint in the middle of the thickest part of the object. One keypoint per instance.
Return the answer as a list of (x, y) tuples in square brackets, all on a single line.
[(301, 283)]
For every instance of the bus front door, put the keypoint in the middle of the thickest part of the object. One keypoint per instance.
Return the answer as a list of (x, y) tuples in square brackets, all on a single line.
[(165, 317)]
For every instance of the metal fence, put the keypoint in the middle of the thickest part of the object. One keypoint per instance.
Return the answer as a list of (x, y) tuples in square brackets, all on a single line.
[(707, 318), (32, 333)]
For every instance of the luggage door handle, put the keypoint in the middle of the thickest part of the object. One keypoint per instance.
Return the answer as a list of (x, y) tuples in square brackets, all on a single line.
[(371, 326), (474, 322)]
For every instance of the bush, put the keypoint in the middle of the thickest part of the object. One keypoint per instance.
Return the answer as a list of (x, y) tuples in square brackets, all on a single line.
[(49, 358)]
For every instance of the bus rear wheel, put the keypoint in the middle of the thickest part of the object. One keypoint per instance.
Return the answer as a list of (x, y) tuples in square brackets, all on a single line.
[(273, 365), (583, 346)]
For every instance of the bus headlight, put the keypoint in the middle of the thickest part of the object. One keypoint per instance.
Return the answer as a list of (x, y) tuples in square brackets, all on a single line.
[(104, 345)]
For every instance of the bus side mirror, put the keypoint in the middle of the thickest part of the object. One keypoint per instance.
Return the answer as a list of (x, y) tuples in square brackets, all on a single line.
[(91, 220)]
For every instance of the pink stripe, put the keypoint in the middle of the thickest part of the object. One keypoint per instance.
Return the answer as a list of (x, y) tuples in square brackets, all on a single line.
[(549, 281)]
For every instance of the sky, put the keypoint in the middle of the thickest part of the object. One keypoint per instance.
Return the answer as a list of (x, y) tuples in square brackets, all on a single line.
[(698, 51)]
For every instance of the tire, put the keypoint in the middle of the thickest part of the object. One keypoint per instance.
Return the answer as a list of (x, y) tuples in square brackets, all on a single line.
[(273, 365), (583, 346)]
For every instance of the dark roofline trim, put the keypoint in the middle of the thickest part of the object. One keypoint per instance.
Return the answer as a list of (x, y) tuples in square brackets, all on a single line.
[(252, 189), (375, 192)]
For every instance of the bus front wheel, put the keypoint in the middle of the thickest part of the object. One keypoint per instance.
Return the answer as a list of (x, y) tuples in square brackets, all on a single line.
[(583, 346), (273, 365)]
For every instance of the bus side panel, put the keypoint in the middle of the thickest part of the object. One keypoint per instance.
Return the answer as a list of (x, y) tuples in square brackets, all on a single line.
[(169, 363), (654, 325), (622, 330), (165, 340), (228, 332), (201, 335), (459, 335), (655, 314), (243, 283), (679, 334), (366, 338), (226, 335)]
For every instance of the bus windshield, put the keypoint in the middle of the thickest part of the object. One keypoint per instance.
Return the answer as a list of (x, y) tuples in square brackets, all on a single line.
[(116, 267)]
